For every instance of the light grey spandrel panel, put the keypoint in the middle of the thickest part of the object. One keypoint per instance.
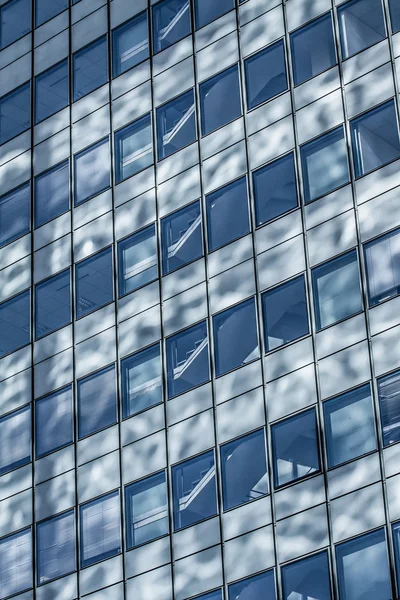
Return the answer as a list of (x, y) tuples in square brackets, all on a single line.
[(101, 575), (268, 113), (142, 425), (357, 512), (246, 518), (218, 56), (98, 477), (198, 573), (222, 138), (190, 437), (144, 457), (14, 172), (183, 279), (90, 129), (291, 392), (15, 251), (238, 382), (317, 87), (232, 286), (91, 209), (288, 359), (299, 497), (384, 315), (354, 475), (379, 214), (344, 370), (173, 81), (95, 352), (121, 11), (11, 53), (261, 31), (254, 8), (301, 11), (93, 237), (186, 405), (51, 125), (302, 533), (139, 331), (52, 231), (53, 258), (224, 167), (15, 278), (54, 464), (148, 557), (320, 116), (215, 30), (249, 553), (365, 61), (271, 142), (340, 336), (65, 588), (127, 81), (135, 214), (16, 74), (15, 391), (377, 182), (53, 373), (15, 512), (52, 344), (369, 90), (386, 350), (329, 206), (179, 190), (51, 52), (196, 538), (14, 363), (281, 262), (51, 152), (14, 147), (135, 186), (55, 495), (185, 308), (240, 415), (172, 55), (230, 255), (94, 323), (156, 583), (278, 231), (89, 29), (393, 492), (177, 163), (89, 103), (98, 444), (131, 105), (391, 460), (50, 28), (138, 301), (85, 7), (15, 482)]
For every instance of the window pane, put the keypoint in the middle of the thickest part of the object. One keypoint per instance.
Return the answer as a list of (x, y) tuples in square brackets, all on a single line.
[(15, 21), (220, 100), (382, 257), (361, 25), (307, 578), (295, 448), (146, 510), (54, 421), (181, 237), (141, 381), (51, 91), (90, 68), (265, 74), (52, 304), (389, 400), (349, 426), (254, 588), (133, 148), (313, 49), (94, 283), (16, 563), (56, 547), (235, 337), (14, 323), (216, 595), (285, 313), (396, 541), (363, 569), (47, 9), (375, 139), (209, 10), (130, 44), (137, 260), (92, 171), (15, 113), (227, 214), (176, 125), (51, 194), (337, 293), (187, 359), (171, 23), (15, 440), (100, 529), (97, 401), (193, 489), (275, 189), (324, 164), (244, 470), (15, 209), (394, 8)]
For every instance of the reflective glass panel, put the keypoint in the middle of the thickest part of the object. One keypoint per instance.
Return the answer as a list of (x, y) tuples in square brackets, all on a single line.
[(382, 257), (254, 588), (313, 49), (16, 563), (181, 237), (94, 283), (141, 380), (14, 323), (361, 24), (47, 9), (216, 595), (130, 44), (265, 74), (15, 440), (137, 260), (51, 194), (220, 100), (15, 113), (100, 529), (90, 68), (15, 21), (176, 125), (52, 304), (171, 23), (146, 508), (133, 148), (15, 210), (187, 359), (97, 401), (394, 8), (389, 401), (209, 10), (307, 578), (54, 421), (91, 171), (51, 91), (396, 542), (56, 547)]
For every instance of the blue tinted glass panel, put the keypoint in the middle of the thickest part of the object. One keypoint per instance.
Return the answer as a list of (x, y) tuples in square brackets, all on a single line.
[(97, 401), (137, 260), (52, 304), (187, 359), (133, 148), (265, 75), (209, 10), (51, 91), (92, 171), (254, 588), (389, 401), (56, 547), (90, 68), (171, 23), (337, 292), (16, 563), (220, 100), (14, 323), (313, 49), (285, 313), (235, 337), (15, 21), (295, 448), (141, 381), (275, 189), (130, 44), (100, 529), (307, 578), (181, 238), (244, 470), (361, 24), (396, 541), (51, 194), (216, 595), (146, 508), (94, 283), (194, 490), (394, 8), (15, 113), (382, 257), (15, 440), (15, 210), (227, 214), (47, 9), (363, 569), (176, 125), (54, 422)]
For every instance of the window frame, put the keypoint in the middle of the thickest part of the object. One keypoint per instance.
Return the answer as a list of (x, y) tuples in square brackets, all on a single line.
[(340, 10), (124, 26), (75, 280), (27, 292), (154, 30), (39, 284), (78, 416), (200, 110), (36, 421), (56, 167), (106, 140), (35, 89), (21, 36), (126, 359), (74, 98), (22, 462), (28, 185), (117, 154), (57, 517), (245, 76), (14, 91)]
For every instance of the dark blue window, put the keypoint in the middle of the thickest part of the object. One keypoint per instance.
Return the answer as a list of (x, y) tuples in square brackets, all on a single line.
[(209, 10), (244, 470), (51, 91), (54, 421), (146, 508), (15, 210), (361, 24), (137, 260), (51, 193), (141, 381), (92, 171), (394, 9), (47, 9), (313, 49), (216, 595), (181, 237), (265, 74), (94, 283), (176, 125), (97, 401), (130, 44), (14, 323), (396, 541), (275, 190), (100, 529), (194, 490), (307, 578), (15, 436), (16, 563), (52, 304), (382, 257), (90, 68), (254, 588), (187, 359), (220, 100), (171, 23), (15, 113), (56, 547), (227, 214), (133, 148), (389, 401), (15, 21), (235, 337)]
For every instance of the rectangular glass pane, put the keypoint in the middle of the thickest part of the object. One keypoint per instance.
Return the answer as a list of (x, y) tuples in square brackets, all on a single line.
[(15, 440), (141, 381), (15, 21), (137, 260), (176, 125), (313, 49), (94, 283), (15, 211), (307, 578), (97, 401), (90, 68), (187, 359), (130, 44), (16, 563), (254, 588), (181, 238), (51, 194), (209, 10), (382, 257), (133, 148), (56, 547), (52, 304), (227, 214), (54, 421), (15, 113), (92, 171), (220, 100), (389, 400), (47, 9), (100, 529), (171, 23), (15, 323), (361, 24), (51, 91), (146, 510), (394, 8), (265, 74)]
